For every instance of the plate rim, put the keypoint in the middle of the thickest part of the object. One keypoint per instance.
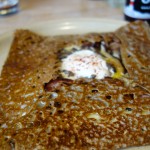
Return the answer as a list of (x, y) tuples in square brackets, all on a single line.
[(62, 20)]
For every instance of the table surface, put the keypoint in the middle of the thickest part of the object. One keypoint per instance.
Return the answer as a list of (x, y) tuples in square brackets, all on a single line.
[(36, 11)]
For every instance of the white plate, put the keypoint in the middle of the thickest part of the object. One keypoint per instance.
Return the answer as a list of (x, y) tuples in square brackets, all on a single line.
[(63, 27)]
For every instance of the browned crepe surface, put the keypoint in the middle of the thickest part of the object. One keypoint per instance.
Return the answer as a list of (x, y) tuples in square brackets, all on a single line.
[(63, 118), (135, 51)]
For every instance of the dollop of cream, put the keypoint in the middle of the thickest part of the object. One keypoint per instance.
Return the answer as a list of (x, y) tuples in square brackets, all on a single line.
[(84, 64)]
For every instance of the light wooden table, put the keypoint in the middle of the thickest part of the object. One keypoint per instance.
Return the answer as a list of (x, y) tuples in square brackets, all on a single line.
[(35, 11)]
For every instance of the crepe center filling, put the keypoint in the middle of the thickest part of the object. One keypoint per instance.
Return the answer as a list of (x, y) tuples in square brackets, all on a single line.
[(90, 62), (85, 64)]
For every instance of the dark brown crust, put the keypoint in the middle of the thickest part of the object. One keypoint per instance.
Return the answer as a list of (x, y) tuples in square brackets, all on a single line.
[(25, 72), (88, 114), (65, 119), (135, 51)]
